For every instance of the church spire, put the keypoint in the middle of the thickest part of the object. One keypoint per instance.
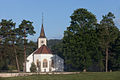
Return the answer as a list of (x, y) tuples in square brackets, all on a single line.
[(42, 33)]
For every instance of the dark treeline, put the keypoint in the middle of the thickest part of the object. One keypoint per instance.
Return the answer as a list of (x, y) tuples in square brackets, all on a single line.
[(86, 45)]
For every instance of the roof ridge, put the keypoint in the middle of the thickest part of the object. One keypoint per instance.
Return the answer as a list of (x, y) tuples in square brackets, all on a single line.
[(43, 50)]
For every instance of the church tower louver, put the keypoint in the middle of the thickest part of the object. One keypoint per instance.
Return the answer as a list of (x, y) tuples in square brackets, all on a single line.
[(42, 37)]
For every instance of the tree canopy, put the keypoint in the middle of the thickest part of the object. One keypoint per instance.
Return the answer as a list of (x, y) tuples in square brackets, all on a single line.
[(85, 41)]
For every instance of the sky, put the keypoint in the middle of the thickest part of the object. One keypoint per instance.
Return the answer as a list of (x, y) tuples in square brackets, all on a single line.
[(56, 13)]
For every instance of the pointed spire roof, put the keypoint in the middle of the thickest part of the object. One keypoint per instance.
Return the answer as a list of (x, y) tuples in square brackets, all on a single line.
[(42, 33)]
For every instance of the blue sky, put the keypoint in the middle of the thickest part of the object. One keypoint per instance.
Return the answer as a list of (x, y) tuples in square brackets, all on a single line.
[(56, 13)]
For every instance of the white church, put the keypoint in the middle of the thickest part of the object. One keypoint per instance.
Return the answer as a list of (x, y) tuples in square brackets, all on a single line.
[(43, 58)]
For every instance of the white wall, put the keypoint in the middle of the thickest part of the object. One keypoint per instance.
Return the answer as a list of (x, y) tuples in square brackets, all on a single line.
[(39, 42), (41, 57), (58, 62), (29, 61)]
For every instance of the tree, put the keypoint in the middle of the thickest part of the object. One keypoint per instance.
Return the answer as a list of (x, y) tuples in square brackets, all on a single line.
[(108, 33), (77, 39), (30, 47), (58, 49), (7, 33), (12, 40), (114, 55), (33, 67), (26, 28), (56, 46)]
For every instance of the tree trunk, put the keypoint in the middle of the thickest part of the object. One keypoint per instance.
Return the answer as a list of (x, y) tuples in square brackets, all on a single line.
[(106, 59), (24, 58), (24, 52), (16, 58)]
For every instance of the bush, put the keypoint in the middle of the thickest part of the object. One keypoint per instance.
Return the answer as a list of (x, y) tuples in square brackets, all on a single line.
[(33, 67)]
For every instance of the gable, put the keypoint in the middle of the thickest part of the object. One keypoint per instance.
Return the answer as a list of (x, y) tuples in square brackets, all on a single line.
[(43, 50)]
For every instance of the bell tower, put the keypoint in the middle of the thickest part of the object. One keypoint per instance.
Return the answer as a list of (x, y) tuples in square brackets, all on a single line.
[(42, 37)]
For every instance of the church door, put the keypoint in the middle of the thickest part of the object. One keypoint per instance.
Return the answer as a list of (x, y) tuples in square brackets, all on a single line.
[(39, 65), (45, 64)]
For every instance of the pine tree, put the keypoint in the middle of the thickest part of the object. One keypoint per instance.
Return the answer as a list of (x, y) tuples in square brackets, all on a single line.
[(26, 28), (108, 33)]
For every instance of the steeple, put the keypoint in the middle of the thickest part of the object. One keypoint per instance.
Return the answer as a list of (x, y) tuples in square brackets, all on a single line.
[(42, 38), (42, 33)]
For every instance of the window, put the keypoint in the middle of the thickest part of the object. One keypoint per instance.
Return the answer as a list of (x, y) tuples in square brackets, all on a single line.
[(52, 63), (42, 41), (45, 64), (38, 63)]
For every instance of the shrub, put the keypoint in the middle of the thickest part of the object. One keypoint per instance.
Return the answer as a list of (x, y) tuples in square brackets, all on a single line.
[(33, 67)]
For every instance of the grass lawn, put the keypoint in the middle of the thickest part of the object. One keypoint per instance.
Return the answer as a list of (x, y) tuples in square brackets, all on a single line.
[(81, 76)]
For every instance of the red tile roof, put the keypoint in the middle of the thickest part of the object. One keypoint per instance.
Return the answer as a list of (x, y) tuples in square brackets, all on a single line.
[(43, 50)]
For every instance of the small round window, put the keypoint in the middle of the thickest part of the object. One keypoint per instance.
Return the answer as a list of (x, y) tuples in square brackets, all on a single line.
[(42, 41)]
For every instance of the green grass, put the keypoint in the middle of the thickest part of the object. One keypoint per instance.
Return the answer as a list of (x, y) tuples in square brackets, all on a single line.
[(81, 76)]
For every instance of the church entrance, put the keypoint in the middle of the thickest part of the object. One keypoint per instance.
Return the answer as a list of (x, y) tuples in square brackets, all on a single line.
[(45, 64), (38, 65)]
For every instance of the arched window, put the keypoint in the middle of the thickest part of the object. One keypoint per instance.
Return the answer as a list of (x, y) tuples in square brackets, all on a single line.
[(52, 63), (45, 63), (38, 63)]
